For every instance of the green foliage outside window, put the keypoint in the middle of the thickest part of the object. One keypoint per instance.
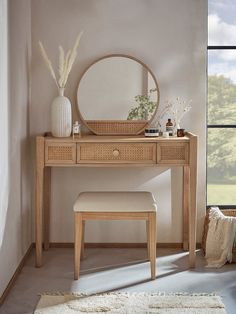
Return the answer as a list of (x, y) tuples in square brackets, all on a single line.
[(221, 100), (221, 142)]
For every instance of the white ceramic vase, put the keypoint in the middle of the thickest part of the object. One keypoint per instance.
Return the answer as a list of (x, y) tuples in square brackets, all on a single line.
[(61, 117)]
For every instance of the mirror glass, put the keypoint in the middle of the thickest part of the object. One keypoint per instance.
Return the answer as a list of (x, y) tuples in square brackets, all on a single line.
[(117, 88)]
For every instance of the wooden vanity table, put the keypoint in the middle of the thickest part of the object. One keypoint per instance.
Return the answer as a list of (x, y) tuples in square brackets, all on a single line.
[(115, 151), (117, 99)]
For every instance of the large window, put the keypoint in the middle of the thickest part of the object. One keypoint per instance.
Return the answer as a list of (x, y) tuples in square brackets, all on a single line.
[(221, 159)]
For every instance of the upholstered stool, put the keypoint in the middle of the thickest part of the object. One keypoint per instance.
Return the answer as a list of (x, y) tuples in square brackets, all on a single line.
[(115, 206)]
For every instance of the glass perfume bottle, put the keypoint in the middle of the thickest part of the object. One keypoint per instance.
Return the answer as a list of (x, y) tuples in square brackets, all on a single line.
[(76, 129)]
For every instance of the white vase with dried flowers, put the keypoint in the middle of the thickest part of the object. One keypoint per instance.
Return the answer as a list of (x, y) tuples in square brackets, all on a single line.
[(61, 114)]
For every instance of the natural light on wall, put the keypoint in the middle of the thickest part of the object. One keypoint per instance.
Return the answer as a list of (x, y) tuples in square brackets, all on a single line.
[(3, 118)]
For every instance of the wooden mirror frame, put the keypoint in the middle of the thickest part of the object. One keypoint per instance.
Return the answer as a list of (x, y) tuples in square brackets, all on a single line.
[(117, 127)]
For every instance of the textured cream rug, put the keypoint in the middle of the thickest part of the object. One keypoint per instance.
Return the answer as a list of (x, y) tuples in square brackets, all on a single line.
[(133, 303)]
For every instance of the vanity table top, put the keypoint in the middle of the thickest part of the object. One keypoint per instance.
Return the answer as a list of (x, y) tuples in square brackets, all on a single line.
[(117, 138)]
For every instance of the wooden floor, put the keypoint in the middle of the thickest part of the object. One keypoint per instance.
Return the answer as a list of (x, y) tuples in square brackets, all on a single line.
[(106, 270)]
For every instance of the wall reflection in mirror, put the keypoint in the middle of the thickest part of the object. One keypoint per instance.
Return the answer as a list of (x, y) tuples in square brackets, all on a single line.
[(117, 88)]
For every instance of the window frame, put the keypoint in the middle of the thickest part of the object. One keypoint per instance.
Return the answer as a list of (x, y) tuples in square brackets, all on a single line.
[(215, 126)]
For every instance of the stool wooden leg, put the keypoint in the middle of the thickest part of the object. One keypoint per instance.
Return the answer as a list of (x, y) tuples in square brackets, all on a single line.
[(78, 241), (152, 239), (82, 243), (148, 242)]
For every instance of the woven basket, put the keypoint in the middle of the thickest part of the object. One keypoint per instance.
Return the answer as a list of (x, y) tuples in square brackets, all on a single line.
[(226, 212)]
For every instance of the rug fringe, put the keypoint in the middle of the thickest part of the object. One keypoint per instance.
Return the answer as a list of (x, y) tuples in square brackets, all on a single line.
[(160, 293)]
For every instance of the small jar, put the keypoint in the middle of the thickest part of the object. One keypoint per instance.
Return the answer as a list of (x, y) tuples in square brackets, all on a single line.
[(151, 132), (180, 132), (165, 134)]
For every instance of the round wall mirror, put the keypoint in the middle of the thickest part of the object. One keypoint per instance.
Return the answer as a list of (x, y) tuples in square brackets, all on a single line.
[(117, 94)]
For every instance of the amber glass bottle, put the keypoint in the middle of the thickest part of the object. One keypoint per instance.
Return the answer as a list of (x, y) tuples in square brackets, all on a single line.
[(169, 127)]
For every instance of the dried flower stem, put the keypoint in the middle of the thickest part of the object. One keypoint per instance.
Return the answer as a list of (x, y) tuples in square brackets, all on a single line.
[(48, 62), (66, 61), (178, 109)]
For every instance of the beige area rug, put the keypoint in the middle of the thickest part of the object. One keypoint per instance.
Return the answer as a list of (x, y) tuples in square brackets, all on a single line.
[(133, 303)]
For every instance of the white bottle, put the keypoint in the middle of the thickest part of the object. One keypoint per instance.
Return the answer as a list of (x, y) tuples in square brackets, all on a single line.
[(76, 128)]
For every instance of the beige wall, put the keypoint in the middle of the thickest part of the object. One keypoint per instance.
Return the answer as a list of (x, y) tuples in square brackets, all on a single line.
[(170, 37), (17, 227)]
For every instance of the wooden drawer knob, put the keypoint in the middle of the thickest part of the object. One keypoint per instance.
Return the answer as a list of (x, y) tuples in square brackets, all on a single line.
[(116, 153)]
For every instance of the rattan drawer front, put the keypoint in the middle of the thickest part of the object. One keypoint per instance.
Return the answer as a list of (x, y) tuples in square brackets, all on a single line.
[(60, 153), (116, 153), (172, 153)]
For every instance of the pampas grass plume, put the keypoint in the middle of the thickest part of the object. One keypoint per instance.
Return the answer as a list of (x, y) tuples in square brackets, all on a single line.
[(48, 62), (66, 61)]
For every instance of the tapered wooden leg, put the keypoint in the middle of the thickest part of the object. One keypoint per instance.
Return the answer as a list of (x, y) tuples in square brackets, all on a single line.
[(46, 205), (148, 242), (78, 241), (186, 204), (82, 243), (39, 199), (152, 239)]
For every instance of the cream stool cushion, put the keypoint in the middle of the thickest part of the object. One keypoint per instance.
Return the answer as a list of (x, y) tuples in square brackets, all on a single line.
[(115, 202)]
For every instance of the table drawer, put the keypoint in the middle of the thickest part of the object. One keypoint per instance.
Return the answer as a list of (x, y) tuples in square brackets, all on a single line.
[(60, 153), (116, 153), (173, 153)]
